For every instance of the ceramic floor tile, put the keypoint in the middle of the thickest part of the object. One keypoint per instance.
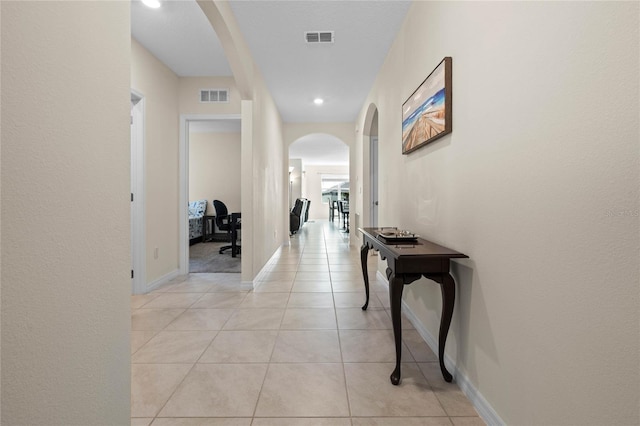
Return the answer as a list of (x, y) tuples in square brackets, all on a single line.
[(311, 287), (255, 319), (141, 421), (313, 268), (406, 324), (453, 400), (342, 260), (310, 300), (138, 301), (189, 287), (174, 300), (309, 319), (286, 261), (201, 319), (278, 276), (378, 286), (372, 394), (467, 421), (153, 319), (313, 261), (401, 421), (307, 346), (311, 253), (313, 276), (303, 390), (356, 318), (352, 286), (220, 300), (383, 297), (346, 268), (419, 349), (347, 276), (300, 421), (265, 300), (139, 338), (225, 287), (217, 390), (285, 267), (152, 385), (179, 347), (240, 346), (211, 421), (370, 346), (273, 287), (284, 350), (354, 300)]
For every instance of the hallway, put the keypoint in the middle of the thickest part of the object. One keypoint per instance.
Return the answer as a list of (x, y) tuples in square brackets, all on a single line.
[(296, 350)]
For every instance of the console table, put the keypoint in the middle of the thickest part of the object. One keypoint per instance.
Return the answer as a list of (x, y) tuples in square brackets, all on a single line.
[(407, 262)]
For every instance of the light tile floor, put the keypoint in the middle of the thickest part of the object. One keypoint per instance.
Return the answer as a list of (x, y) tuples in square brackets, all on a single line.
[(297, 350)]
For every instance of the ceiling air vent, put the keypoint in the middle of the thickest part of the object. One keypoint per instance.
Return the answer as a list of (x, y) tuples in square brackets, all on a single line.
[(319, 36), (214, 96)]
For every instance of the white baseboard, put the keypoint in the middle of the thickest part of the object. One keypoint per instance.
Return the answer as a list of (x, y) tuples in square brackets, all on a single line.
[(258, 278), (162, 280), (484, 409)]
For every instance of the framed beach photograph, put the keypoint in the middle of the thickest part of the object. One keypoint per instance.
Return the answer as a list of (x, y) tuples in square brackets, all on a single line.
[(426, 114)]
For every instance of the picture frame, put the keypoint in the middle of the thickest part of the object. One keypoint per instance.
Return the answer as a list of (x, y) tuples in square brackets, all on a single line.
[(426, 114)]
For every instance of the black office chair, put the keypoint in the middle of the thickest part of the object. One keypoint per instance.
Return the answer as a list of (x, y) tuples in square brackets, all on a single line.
[(224, 222), (295, 219)]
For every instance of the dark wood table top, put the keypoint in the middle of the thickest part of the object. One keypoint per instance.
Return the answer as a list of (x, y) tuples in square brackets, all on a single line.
[(420, 247)]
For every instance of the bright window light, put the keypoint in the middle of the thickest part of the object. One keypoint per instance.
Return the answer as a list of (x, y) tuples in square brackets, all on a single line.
[(318, 101), (154, 4)]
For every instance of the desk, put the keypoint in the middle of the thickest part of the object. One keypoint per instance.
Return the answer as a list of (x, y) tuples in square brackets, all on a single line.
[(407, 262)]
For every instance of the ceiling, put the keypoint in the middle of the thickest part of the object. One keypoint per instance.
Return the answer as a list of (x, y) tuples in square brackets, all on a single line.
[(342, 73)]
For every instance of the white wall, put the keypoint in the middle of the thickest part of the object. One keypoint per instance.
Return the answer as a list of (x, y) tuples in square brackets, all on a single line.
[(269, 177), (295, 179), (65, 271), (538, 184), (312, 188), (159, 86), (264, 165), (214, 169)]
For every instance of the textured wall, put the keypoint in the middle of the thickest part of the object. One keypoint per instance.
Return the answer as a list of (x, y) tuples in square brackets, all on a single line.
[(159, 86), (65, 213), (538, 184), (214, 169)]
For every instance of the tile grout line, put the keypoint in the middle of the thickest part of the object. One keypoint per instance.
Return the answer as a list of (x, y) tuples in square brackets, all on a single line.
[(335, 313)]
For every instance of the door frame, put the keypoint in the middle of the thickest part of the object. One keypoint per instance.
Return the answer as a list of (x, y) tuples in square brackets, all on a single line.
[(138, 208), (373, 181), (183, 196)]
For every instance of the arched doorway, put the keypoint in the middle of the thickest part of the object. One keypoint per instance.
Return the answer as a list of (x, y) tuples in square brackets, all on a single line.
[(319, 172), (370, 162)]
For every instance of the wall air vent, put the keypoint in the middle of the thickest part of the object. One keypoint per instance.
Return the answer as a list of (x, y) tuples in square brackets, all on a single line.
[(215, 96), (319, 36)]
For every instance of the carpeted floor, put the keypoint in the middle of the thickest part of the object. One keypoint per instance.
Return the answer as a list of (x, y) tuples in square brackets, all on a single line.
[(204, 257)]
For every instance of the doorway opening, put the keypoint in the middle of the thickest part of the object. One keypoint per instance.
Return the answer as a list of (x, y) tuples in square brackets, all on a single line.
[(371, 167), (319, 173), (210, 148), (138, 260)]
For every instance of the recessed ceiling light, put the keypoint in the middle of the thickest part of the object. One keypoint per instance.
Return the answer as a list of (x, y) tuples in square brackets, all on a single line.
[(318, 101), (154, 4)]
